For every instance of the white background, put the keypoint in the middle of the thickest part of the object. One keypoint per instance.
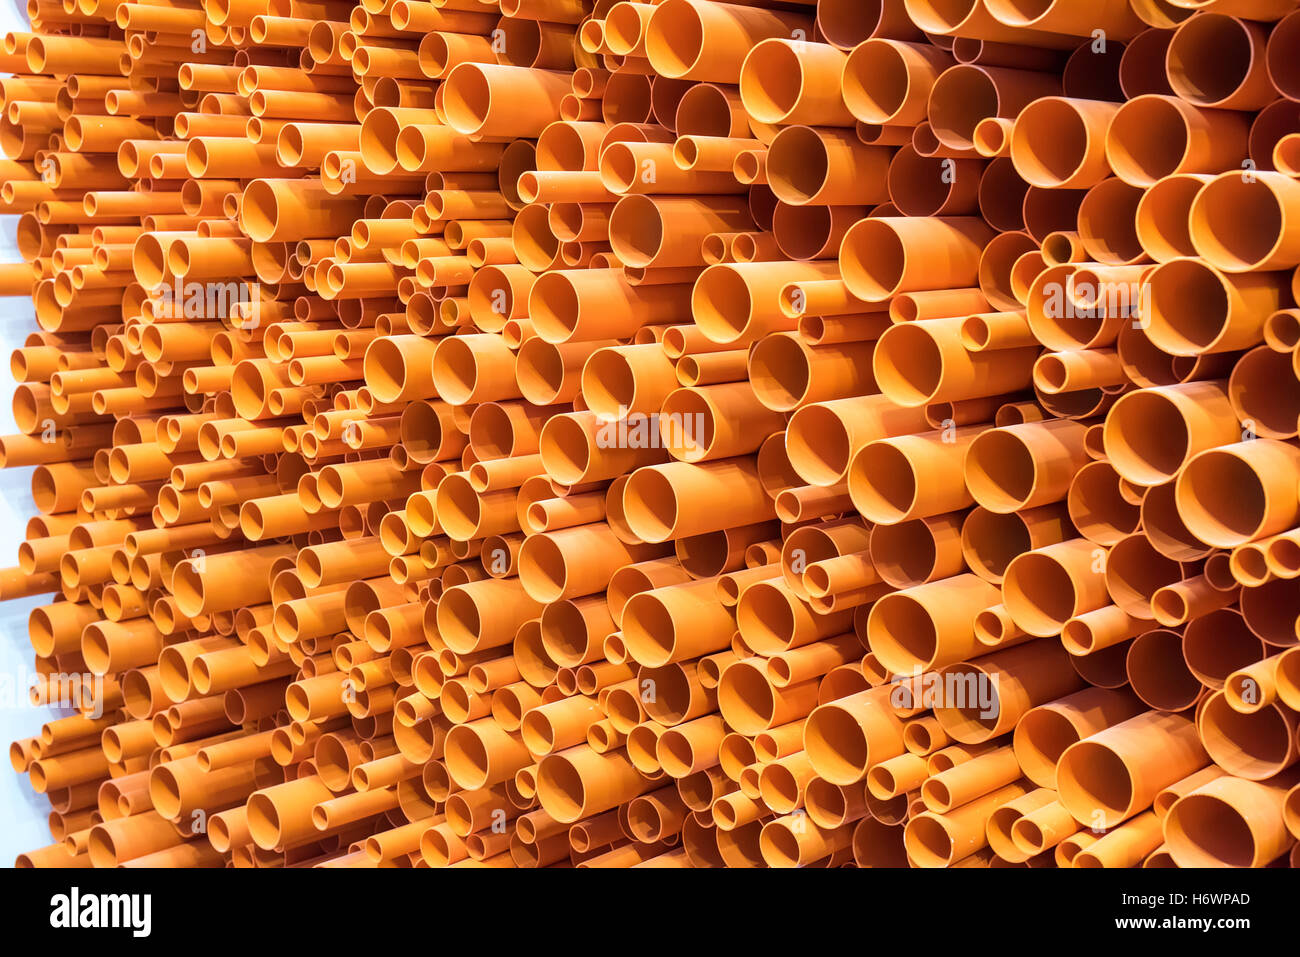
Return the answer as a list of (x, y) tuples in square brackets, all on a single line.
[(23, 812)]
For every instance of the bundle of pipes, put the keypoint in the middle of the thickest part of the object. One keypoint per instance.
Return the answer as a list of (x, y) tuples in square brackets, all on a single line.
[(555, 432)]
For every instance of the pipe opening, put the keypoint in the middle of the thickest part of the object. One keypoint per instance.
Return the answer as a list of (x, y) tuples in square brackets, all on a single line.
[(1091, 777), (1211, 832), (745, 698), (836, 744), (650, 505), (1000, 471), (960, 98), (263, 821), (722, 304), (927, 843), (1049, 142), (1253, 746), (1223, 496), (1041, 738), (902, 634), (1149, 137), (1236, 223), (908, 363), (1147, 438), (876, 82), (820, 443), (1039, 593), (772, 81), (466, 756), (674, 38), (459, 622), (1208, 58), (467, 98), (798, 165)]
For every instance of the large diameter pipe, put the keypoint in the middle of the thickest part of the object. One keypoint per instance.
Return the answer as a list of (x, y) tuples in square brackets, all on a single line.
[(1240, 492), (1111, 775), (1228, 822), (696, 40), (661, 502)]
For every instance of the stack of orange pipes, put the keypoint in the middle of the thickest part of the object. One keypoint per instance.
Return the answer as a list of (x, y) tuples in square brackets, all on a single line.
[(538, 433)]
